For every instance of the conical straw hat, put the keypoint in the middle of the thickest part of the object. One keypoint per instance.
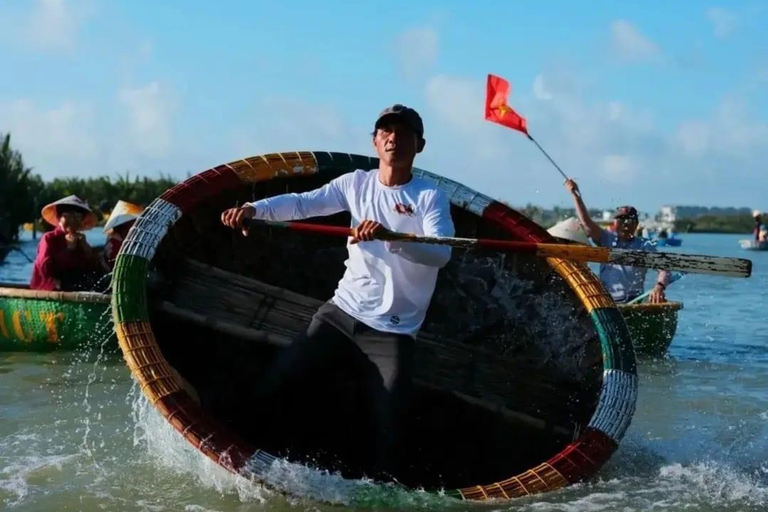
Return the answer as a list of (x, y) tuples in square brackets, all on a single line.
[(122, 212), (569, 229), (49, 212)]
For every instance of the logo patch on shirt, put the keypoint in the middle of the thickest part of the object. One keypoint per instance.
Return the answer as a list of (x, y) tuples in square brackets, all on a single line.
[(394, 320), (404, 209)]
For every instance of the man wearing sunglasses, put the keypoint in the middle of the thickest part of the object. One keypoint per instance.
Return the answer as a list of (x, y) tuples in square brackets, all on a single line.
[(623, 282)]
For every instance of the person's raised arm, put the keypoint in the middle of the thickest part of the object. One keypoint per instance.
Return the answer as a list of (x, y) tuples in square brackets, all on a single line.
[(593, 230)]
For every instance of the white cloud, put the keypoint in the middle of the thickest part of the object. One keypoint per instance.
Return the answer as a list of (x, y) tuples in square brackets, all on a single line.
[(619, 169), (693, 138), (630, 45), (76, 138), (54, 24), (731, 133), (539, 89), (280, 124), (52, 138), (723, 21), (148, 109), (417, 51)]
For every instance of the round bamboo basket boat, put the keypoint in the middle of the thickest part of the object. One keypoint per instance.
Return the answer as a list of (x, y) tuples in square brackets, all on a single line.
[(652, 326), (525, 376), (40, 321)]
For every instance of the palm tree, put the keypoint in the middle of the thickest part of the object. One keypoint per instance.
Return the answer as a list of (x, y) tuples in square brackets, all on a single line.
[(18, 187)]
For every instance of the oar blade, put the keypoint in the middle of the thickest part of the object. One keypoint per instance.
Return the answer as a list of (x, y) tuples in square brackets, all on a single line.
[(691, 263)]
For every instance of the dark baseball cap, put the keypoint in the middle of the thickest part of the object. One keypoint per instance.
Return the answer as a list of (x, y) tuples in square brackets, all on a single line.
[(625, 211), (406, 115)]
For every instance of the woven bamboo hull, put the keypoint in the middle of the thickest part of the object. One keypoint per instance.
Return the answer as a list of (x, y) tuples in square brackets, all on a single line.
[(44, 321), (525, 374), (652, 326)]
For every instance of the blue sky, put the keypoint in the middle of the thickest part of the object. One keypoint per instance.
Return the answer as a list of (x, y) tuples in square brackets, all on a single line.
[(647, 103)]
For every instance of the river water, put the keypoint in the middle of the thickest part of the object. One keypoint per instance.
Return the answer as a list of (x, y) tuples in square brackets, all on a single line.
[(76, 434)]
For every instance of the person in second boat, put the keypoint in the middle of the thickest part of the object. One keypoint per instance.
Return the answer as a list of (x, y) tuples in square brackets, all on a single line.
[(65, 261), (758, 223), (623, 282), (122, 217)]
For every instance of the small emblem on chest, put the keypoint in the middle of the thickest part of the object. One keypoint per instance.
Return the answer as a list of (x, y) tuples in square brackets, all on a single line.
[(404, 209)]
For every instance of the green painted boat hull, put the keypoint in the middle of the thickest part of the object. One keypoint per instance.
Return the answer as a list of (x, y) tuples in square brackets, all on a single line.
[(37, 321), (652, 326)]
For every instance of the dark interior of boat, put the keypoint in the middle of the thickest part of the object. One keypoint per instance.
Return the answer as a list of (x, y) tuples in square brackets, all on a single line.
[(508, 364)]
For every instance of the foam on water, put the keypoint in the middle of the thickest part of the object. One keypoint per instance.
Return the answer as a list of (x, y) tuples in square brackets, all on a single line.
[(159, 440), (156, 437)]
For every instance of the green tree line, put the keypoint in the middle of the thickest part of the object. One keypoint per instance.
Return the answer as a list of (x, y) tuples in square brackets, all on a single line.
[(717, 224), (24, 193)]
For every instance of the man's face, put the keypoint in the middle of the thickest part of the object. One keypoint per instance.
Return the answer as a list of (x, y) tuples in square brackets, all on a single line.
[(625, 226), (397, 144)]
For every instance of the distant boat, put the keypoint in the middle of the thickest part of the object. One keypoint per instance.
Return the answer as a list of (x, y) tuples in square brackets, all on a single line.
[(751, 245)]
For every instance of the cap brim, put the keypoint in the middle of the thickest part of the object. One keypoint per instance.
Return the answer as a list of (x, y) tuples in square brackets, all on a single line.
[(400, 117)]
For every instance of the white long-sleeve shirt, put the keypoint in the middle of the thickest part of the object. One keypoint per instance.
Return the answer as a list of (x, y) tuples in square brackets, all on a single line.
[(387, 285)]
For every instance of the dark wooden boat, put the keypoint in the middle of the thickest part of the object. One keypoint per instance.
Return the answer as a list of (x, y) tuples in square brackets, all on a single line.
[(526, 378)]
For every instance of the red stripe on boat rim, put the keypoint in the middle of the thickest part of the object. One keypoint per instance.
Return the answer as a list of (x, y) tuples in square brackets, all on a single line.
[(584, 457), (200, 187), (515, 222)]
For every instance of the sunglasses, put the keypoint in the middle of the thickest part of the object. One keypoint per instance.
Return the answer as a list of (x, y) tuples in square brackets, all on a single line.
[(625, 219)]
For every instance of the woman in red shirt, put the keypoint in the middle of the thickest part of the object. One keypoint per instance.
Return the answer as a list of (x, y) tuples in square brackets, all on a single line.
[(64, 260), (121, 219)]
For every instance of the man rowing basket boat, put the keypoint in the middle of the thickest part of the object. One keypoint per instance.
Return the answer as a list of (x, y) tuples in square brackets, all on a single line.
[(381, 301)]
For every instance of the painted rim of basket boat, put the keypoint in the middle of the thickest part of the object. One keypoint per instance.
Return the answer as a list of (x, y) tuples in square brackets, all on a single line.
[(662, 307), (579, 460), (24, 293)]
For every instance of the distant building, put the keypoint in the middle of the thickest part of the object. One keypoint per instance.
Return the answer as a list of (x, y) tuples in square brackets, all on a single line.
[(674, 213)]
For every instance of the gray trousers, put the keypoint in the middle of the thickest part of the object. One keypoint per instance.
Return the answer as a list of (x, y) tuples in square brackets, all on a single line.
[(382, 363)]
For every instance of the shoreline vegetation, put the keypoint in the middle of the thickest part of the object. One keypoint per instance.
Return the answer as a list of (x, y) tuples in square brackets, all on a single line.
[(23, 194)]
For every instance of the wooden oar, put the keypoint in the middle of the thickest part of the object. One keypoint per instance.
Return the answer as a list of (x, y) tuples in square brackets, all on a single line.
[(690, 263)]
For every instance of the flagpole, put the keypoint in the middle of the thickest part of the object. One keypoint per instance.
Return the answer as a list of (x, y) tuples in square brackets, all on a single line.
[(545, 154)]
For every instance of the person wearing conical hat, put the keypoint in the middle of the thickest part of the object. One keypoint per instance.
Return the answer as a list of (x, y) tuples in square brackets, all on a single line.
[(122, 217), (64, 260), (569, 230)]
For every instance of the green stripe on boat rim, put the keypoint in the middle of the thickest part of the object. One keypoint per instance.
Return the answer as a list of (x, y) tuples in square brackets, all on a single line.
[(615, 340), (129, 300)]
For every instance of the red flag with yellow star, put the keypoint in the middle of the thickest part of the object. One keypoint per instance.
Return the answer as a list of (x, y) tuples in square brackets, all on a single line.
[(496, 108)]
